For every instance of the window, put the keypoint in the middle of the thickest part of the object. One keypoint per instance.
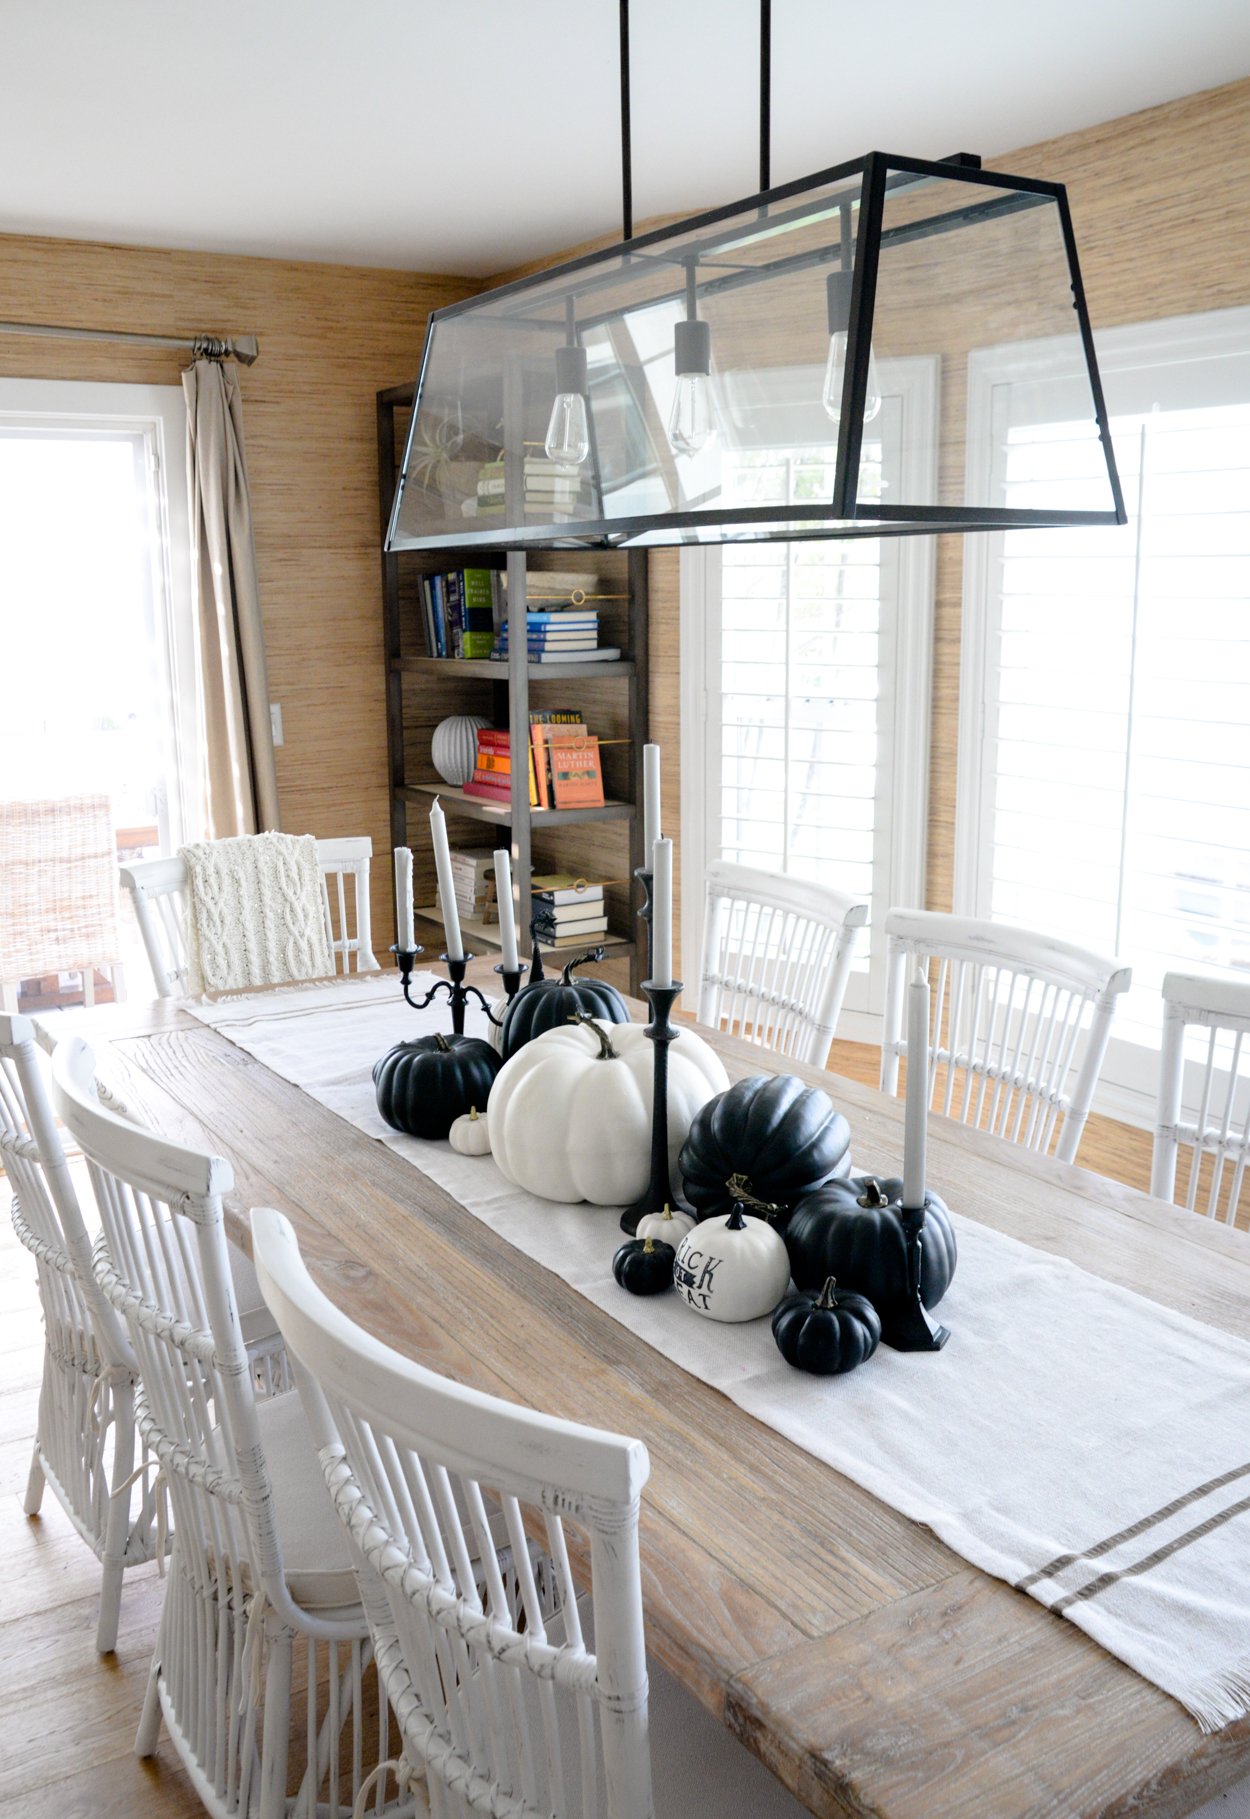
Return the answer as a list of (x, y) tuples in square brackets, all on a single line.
[(1104, 764), (813, 706), (95, 608)]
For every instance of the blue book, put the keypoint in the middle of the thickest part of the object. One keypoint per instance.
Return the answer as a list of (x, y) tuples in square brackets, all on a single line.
[(440, 620)]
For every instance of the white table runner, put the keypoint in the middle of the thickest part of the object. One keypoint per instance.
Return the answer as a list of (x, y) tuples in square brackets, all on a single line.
[(1074, 1439)]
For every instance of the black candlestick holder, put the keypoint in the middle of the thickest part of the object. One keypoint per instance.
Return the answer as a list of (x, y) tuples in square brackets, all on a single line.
[(646, 914), (458, 992), (912, 1328), (660, 1030)]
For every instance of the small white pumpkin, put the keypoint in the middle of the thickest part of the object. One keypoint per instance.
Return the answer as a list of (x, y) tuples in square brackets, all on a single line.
[(470, 1133), (732, 1268), (570, 1112), (667, 1227)]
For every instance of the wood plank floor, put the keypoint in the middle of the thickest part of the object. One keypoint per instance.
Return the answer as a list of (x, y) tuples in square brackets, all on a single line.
[(70, 1715)]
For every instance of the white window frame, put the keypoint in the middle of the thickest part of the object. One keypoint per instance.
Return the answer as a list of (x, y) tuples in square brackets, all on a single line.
[(906, 655), (1128, 358), (157, 413)]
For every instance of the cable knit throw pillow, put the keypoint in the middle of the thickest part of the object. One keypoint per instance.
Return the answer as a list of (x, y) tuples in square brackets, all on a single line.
[(255, 913)]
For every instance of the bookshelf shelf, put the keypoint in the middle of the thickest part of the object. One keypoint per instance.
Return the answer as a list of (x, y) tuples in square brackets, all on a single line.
[(486, 671), (478, 934), (422, 690), (500, 815)]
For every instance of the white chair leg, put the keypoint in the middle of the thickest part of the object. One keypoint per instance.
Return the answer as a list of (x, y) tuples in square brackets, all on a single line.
[(34, 1485), (87, 976), (118, 972), (8, 996), (113, 1560), (276, 1734), (149, 1733)]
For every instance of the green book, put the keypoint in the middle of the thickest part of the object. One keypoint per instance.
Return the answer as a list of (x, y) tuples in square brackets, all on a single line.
[(477, 644)]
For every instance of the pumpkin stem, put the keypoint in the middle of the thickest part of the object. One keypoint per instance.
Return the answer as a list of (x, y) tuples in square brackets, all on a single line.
[(606, 1051), (739, 1188), (828, 1297), (648, 1247), (874, 1194), (441, 1043), (473, 1114), (594, 954), (737, 1222)]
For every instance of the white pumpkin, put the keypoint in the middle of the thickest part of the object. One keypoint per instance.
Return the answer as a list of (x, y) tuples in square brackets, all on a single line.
[(470, 1134), (667, 1227), (734, 1267), (570, 1112)]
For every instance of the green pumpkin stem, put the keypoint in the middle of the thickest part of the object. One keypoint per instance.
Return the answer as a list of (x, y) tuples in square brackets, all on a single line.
[(441, 1044), (593, 954), (648, 1247), (828, 1297), (874, 1194), (739, 1187), (606, 1051)]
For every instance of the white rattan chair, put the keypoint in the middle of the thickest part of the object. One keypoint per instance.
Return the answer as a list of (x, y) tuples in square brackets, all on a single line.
[(158, 890), (481, 1643), (58, 894), (776, 958), (1221, 1128), (1009, 1011), (259, 1568), (85, 1439)]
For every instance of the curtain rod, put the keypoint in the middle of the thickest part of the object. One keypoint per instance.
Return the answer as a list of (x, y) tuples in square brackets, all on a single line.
[(245, 348)]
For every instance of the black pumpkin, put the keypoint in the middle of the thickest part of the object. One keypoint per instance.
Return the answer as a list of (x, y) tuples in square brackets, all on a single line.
[(777, 1137), (424, 1086), (546, 1004), (644, 1266), (851, 1229), (826, 1334)]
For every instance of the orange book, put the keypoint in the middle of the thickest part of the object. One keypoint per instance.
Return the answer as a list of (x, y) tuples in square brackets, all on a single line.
[(576, 776), (538, 764)]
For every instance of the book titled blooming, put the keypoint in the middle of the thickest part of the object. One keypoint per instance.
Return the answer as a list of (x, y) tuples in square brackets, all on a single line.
[(576, 777)]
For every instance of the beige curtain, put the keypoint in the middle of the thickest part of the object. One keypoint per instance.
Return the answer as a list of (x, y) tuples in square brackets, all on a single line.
[(240, 780)]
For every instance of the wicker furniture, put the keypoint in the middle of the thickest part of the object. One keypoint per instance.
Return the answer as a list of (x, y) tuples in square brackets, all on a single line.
[(58, 894)]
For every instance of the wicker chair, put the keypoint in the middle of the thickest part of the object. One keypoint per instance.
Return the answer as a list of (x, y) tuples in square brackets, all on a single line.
[(58, 894)]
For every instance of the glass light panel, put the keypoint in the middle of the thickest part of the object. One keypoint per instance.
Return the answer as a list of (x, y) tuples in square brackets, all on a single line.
[(706, 348)]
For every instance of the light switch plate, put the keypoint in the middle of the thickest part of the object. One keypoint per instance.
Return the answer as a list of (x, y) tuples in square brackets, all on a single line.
[(275, 720)]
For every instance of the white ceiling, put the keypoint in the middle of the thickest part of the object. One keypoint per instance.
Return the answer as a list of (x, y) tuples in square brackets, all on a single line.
[(468, 135)]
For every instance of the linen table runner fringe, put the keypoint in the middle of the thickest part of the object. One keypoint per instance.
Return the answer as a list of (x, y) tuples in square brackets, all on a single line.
[(1088, 1446), (255, 915)]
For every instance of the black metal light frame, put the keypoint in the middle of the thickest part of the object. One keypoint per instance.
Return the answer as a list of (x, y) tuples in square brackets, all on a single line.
[(843, 516)]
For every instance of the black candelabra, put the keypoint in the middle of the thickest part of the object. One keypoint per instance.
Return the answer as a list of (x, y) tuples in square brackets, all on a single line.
[(458, 992), (646, 914), (659, 1192), (911, 1327)]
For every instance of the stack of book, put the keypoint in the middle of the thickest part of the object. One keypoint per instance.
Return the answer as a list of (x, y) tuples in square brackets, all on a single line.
[(460, 610), (567, 911), (551, 490), (473, 876), (492, 774), (566, 768), (491, 485), (568, 636)]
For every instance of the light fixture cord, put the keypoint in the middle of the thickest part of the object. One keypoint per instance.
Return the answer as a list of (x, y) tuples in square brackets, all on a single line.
[(627, 171)]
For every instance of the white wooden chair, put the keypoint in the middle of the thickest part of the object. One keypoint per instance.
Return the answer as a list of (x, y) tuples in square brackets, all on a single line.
[(259, 1568), (1222, 1126), (1009, 1009), (158, 891), (480, 1640), (776, 958), (85, 1438)]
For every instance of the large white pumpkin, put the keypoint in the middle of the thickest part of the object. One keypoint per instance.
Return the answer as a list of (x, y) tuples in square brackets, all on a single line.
[(570, 1113)]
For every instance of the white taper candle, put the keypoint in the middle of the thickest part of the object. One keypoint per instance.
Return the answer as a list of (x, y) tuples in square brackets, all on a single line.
[(650, 800), (914, 1130), (446, 884), (405, 935), (662, 923), (507, 917)]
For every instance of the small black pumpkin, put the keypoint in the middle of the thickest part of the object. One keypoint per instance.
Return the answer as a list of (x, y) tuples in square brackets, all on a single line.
[(644, 1266), (424, 1086), (851, 1229), (772, 1137), (826, 1334), (546, 1004)]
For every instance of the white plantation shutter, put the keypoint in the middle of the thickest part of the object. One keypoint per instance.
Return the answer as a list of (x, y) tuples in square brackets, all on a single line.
[(1113, 769), (815, 709)]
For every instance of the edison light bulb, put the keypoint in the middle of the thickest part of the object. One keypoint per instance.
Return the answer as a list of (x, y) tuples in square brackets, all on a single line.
[(691, 423), (835, 373), (568, 432)]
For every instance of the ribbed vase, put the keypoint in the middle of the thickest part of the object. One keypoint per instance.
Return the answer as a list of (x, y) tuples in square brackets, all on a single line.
[(454, 747)]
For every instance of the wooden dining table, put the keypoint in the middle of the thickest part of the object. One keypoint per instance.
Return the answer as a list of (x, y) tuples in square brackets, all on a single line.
[(870, 1667)]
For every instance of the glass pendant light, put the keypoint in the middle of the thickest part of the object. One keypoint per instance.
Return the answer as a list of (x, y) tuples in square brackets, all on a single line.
[(838, 296), (568, 430), (691, 422)]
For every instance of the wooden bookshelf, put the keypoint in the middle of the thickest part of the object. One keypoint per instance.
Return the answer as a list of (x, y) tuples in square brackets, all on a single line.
[(422, 690)]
